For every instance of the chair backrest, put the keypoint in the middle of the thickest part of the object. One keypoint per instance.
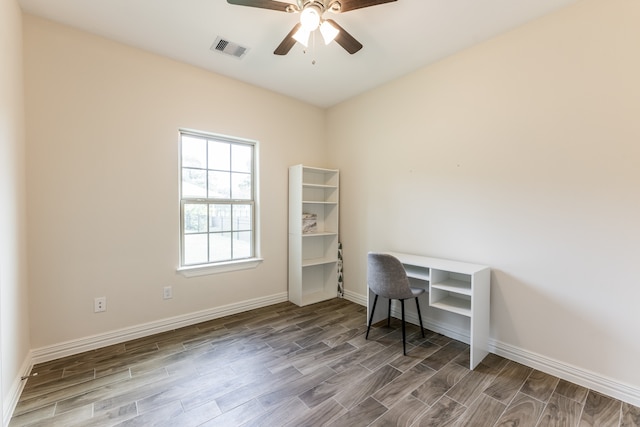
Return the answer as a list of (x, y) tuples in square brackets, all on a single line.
[(387, 277)]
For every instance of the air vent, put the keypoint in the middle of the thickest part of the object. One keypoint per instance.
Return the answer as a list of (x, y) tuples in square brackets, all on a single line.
[(230, 48)]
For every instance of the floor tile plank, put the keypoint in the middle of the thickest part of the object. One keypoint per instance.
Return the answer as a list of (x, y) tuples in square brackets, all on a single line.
[(523, 411), (362, 414), (600, 411), (403, 385), (320, 415), (469, 387), (560, 411), (540, 385), (443, 413), (77, 416), (237, 416), (76, 390), (26, 418), (506, 385), (445, 354), (286, 390), (332, 386), (353, 394), (572, 391), (484, 411), (630, 415), (439, 383), (111, 417), (289, 411), (255, 389), (403, 414)]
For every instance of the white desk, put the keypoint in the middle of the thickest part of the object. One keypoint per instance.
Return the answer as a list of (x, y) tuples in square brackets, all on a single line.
[(455, 287)]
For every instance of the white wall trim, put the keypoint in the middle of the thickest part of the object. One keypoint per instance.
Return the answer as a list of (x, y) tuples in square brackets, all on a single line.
[(68, 348), (12, 397), (567, 372), (221, 267), (571, 373), (357, 298)]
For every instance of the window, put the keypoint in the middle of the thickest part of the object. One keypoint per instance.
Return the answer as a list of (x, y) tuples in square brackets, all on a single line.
[(217, 200)]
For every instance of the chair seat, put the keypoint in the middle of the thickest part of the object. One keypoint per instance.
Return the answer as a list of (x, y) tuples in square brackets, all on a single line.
[(417, 292)]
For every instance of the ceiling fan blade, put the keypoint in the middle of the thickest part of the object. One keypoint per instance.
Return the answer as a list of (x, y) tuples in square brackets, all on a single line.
[(263, 4), (346, 40), (288, 42), (348, 5)]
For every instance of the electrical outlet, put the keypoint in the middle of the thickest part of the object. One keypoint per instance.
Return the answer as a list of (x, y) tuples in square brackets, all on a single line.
[(99, 304), (167, 292)]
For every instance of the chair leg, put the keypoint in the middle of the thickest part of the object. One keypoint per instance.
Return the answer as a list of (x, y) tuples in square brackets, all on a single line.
[(375, 300), (404, 345), (389, 314), (420, 317)]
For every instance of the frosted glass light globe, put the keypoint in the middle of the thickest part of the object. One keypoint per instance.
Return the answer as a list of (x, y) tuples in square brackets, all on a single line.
[(310, 18)]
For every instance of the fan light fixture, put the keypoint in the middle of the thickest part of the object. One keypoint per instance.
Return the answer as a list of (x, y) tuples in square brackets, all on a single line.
[(302, 36), (309, 22), (310, 18), (328, 31)]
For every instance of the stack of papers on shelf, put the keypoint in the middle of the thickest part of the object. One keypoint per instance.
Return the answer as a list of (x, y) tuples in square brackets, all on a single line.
[(309, 223)]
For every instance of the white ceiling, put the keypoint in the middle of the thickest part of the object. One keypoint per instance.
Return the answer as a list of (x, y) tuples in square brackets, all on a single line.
[(398, 37)]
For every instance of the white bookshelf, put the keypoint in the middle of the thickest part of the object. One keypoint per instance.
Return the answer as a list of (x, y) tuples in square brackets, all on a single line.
[(313, 256)]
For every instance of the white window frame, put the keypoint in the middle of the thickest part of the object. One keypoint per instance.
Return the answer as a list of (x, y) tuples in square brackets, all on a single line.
[(226, 265)]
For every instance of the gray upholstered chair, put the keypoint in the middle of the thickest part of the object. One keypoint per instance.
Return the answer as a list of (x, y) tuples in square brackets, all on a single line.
[(387, 278)]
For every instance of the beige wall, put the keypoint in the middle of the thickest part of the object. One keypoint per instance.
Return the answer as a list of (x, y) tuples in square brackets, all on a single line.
[(14, 320), (522, 153), (103, 122)]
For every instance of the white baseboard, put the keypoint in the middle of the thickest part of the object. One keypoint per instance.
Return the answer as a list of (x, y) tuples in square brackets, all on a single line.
[(357, 298), (12, 397), (68, 348), (590, 380)]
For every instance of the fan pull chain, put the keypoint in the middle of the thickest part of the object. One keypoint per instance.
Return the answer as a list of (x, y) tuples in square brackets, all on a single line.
[(313, 48)]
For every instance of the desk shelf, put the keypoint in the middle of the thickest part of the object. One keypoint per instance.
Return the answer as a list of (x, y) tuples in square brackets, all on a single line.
[(454, 305), (419, 273), (452, 285)]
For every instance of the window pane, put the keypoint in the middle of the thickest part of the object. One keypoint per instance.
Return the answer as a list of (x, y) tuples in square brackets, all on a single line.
[(220, 246), (195, 218), (194, 183), (219, 155), (219, 185), (195, 249), (241, 158), (220, 217), (241, 186), (242, 218), (194, 152), (242, 245)]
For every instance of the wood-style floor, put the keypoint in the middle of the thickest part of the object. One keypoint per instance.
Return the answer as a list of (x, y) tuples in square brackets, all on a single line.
[(289, 366)]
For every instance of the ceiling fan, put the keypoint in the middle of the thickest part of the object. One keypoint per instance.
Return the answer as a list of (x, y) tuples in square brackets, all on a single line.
[(311, 18)]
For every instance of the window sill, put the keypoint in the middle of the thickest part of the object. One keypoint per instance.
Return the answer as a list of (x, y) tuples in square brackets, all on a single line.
[(223, 267)]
